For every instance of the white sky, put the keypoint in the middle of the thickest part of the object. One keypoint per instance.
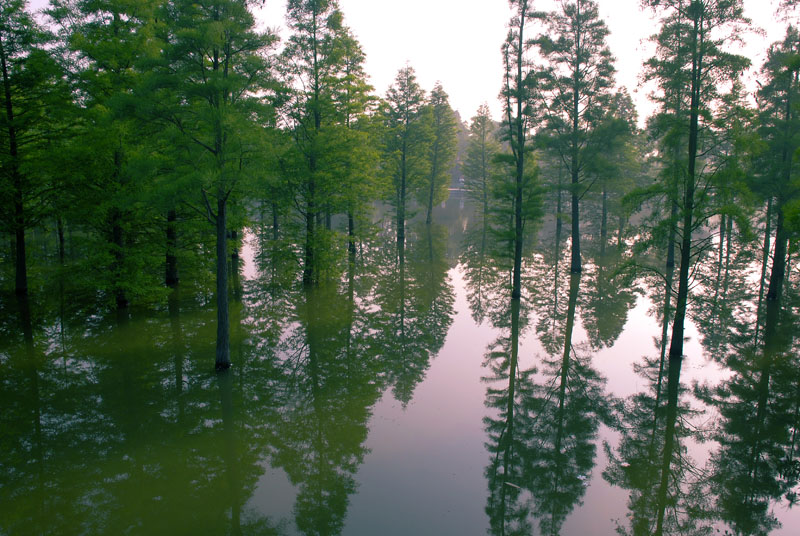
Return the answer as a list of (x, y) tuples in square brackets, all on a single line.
[(458, 42)]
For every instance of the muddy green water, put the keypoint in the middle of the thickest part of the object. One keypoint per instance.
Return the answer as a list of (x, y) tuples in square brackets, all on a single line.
[(382, 402)]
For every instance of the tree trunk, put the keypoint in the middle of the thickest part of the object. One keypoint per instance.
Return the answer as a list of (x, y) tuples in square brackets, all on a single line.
[(118, 249), (275, 227), (21, 279), (236, 283), (401, 202), (223, 357), (676, 341), (351, 234), (308, 268), (432, 186), (604, 223), (171, 275), (60, 231), (764, 262)]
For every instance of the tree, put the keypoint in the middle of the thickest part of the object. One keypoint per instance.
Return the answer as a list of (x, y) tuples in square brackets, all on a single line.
[(407, 139), (702, 26), (442, 149), (311, 63), (519, 117), (478, 166), (578, 74), (213, 64), (33, 92)]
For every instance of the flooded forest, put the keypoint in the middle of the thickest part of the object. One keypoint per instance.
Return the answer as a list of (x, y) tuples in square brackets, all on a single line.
[(244, 292)]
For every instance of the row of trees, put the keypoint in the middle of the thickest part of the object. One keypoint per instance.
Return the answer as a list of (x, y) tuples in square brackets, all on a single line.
[(129, 126)]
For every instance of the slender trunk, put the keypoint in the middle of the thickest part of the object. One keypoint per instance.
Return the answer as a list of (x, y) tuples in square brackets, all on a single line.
[(173, 303), (118, 248), (676, 341), (60, 231), (764, 262), (575, 265), (432, 185), (308, 268), (225, 384), (667, 308), (558, 206), (401, 202), (171, 275), (21, 282), (223, 356), (574, 285), (21, 279), (604, 222), (236, 283), (508, 433), (351, 234), (275, 226), (516, 284)]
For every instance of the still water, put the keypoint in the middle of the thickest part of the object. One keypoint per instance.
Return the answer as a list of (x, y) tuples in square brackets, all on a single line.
[(383, 402)]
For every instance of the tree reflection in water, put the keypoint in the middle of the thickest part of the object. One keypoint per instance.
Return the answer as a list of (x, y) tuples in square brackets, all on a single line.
[(542, 441)]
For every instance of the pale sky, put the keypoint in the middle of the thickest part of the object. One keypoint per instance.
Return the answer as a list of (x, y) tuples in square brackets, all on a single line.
[(458, 42)]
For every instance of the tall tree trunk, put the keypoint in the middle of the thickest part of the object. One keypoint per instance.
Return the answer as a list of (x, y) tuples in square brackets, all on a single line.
[(351, 234), (401, 202), (516, 283), (235, 264), (764, 262), (225, 384), (676, 341), (275, 226), (223, 355), (171, 273), (432, 186), (60, 232), (558, 205), (604, 222), (308, 267), (21, 279), (118, 249), (575, 265)]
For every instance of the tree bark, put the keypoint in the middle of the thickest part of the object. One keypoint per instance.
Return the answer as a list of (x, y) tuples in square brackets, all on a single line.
[(171, 274), (223, 355), (21, 266)]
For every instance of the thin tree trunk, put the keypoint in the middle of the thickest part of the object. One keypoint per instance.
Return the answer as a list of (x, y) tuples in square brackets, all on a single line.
[(676, 341), (235, 264), (60, 231), (21, 279), (764, 262), (604, 223), (223, 355), (171, 275)]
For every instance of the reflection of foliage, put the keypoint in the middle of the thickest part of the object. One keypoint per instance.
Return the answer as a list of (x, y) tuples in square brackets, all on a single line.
[(722, 311), (757, 460), (568, 406), (126, 426), (638, 461), (544, 437), (329, 390), (486, 280), (415, 300), (606, 306)]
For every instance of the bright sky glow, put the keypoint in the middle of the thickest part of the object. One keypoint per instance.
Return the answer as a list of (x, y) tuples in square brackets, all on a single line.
[(458, 42)]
